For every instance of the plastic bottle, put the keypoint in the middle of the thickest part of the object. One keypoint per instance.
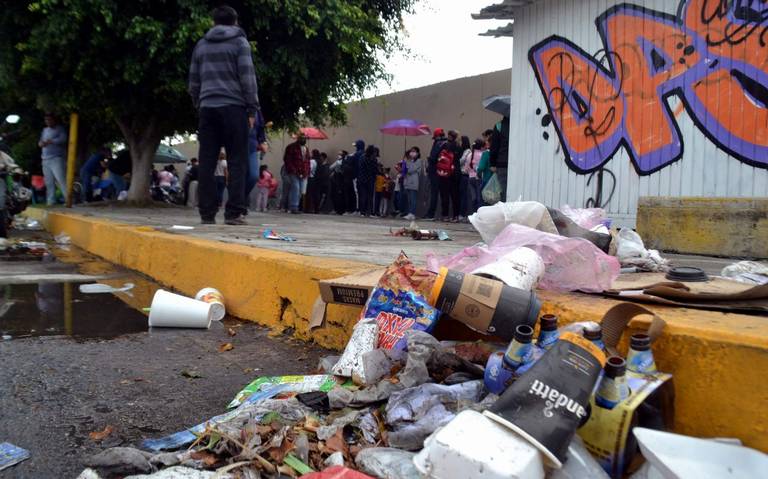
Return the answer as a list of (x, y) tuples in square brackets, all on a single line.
[(594, 334), (548, 333), (640, 358), (520, 349), (613, 386)]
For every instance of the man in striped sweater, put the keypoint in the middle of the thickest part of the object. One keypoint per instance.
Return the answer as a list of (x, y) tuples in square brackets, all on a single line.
[(222, 83)]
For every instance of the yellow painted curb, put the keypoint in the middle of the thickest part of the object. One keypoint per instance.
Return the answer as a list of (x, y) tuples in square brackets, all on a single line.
[(718, 360)]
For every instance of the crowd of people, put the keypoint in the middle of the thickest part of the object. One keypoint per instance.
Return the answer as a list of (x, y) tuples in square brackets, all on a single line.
[(456, 170)]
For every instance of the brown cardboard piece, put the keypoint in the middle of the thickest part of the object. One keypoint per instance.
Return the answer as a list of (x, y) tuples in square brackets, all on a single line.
[(477, 301), (351, 289), (719, 294)]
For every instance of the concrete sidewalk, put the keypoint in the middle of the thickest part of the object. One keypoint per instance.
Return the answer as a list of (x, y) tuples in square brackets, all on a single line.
[(333, 236)]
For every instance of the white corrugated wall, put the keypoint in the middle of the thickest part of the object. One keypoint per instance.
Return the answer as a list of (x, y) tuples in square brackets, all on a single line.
[(538, 170)]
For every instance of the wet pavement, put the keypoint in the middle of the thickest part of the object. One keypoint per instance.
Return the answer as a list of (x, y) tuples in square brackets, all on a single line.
[(77, 363)]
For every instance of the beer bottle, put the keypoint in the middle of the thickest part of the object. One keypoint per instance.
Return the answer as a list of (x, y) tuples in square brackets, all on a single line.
[(548, 333), (613, 386), (640, 358), (594, 333), (520, 349)]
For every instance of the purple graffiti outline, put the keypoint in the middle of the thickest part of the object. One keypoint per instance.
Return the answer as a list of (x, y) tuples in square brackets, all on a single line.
[(683, 86)]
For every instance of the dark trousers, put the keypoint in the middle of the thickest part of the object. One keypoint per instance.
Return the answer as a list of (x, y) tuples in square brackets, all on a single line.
[(226, 127), (350, 199), (434, 188), (365, 197), (449, 193), (377, 203), (221, 185), (464, 196)]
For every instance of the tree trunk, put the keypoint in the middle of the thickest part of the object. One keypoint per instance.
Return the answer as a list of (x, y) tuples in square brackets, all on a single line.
[(142, 138)]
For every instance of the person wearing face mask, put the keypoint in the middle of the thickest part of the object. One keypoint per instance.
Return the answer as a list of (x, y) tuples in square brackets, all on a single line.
[(411, 181), (296, 161), (337, 183)]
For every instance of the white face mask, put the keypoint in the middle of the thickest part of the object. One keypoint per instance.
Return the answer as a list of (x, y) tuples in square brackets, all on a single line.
[(413, 155)]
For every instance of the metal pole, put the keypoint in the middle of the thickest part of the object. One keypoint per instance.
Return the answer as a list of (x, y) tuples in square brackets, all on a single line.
[(71, 156)]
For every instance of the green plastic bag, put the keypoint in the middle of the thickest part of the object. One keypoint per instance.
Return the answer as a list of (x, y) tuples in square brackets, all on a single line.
[(492, 191)]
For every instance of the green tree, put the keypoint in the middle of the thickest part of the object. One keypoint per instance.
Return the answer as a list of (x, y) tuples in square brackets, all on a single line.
[(125, 62)]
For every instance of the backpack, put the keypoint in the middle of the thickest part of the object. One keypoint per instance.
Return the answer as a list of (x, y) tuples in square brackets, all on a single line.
[(445, 163)]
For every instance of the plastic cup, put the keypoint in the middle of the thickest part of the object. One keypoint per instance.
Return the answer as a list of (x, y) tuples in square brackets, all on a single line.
[(548, 403), (213, 297), (170, 310)]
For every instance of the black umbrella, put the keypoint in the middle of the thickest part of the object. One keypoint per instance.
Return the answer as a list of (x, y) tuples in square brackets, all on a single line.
[(501, 104)]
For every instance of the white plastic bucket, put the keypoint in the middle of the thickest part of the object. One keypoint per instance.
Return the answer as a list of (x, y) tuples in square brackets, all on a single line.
[(521, 268), (213, 297), (472, 446), (170, 310)]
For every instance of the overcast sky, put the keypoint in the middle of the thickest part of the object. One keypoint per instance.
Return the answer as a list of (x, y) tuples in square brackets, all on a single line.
[(445, 45)]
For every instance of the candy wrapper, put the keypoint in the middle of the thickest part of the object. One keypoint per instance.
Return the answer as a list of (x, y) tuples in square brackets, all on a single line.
[(293, 384), (402, 275), (395, 313)]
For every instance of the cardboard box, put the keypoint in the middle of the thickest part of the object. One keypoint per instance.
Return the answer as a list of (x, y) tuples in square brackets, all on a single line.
[(353, 289)]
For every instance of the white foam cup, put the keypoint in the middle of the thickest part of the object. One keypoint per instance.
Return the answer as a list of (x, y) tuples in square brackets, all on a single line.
[(170, 310), (214, 297)]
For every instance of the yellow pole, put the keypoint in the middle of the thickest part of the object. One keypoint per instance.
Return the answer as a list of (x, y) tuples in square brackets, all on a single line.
[(71, 156)]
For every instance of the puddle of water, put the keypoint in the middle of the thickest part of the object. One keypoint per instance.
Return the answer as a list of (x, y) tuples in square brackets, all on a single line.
[(48, 309)]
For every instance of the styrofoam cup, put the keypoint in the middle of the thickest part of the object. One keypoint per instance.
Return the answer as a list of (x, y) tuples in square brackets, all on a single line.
[(170, 310), (214, 297), (521, 268)]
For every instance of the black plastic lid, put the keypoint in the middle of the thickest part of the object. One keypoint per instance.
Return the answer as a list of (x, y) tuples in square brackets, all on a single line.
[(593, 333), (687, 273), (615, 367), (640, 342), (523, 334), (548, 322)]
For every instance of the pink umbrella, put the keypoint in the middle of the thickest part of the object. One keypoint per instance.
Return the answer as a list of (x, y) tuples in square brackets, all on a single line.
[(404, 128), (312, 133)]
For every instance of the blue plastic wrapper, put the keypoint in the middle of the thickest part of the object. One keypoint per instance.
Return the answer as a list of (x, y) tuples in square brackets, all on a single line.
[(11, 455), (397, 312)]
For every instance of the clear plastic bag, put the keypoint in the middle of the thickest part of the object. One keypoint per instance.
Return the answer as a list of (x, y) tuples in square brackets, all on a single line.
[(587, 218), (492, 190), (489, 221), (571, 263)]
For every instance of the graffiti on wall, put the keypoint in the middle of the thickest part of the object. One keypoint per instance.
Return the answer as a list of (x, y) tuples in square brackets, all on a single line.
[(712, 56)]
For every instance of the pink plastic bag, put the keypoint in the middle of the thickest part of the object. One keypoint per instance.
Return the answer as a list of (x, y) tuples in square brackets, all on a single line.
[(587, 218), (572, 264)]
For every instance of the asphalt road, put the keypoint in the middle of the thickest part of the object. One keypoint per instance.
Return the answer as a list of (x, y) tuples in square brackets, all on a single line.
[(57, 389)]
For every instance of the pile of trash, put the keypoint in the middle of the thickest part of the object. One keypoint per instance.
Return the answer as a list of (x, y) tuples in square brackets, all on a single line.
[(531, 400)]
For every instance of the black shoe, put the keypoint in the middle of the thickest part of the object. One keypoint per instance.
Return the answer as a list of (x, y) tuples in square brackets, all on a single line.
[(237, 221), (295, 212), (207, 221)]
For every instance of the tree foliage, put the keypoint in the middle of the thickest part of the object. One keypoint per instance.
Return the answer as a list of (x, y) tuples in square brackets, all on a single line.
[(123, 64)]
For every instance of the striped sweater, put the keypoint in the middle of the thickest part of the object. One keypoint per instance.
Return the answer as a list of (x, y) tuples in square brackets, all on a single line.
[(221, 72)]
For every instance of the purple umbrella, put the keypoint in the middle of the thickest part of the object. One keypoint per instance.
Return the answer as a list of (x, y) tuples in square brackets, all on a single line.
[(405, 127)]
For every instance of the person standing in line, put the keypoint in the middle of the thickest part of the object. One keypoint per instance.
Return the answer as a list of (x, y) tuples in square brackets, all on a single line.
[(366, 180), (464, 197), (221, 175), (386, 199), (223, 87), (411, 182), (475, 185), (337, 183), (264, 185), (53, 141), (351, 172), (257, 146), (447, 169), (191, 175), (499, 153), (438, 142), (323, 183), (296, 163), (380, 186), (310, 204)]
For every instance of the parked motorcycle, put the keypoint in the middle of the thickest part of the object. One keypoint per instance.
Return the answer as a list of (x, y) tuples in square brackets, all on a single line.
[(14, 197)]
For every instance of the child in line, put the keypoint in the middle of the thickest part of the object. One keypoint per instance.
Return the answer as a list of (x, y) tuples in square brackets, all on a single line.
[(265, 184)]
